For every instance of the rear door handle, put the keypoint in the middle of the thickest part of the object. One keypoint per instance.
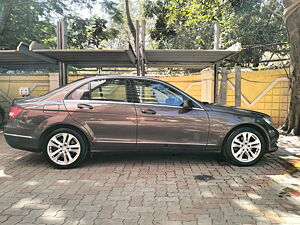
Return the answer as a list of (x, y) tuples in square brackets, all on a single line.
[(84, 106), (148, 111)]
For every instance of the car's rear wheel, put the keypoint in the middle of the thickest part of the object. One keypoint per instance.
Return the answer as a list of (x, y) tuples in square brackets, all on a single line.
[(65, 148), (244, 147)]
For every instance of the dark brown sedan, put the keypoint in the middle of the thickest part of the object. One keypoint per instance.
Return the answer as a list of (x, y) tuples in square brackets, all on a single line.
[(121, 113)]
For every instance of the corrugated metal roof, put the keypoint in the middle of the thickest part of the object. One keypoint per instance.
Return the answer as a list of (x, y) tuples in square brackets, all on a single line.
[(13, 59), (185, 58), (88, 58)]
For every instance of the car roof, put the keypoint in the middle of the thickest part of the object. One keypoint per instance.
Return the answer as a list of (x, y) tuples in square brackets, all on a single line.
[(118, 76)]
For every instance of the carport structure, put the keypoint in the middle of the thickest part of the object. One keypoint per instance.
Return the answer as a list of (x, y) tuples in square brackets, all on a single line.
[(199, 59), (35, 56)]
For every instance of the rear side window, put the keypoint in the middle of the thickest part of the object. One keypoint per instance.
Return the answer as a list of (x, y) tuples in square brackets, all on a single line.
[(109, 90), (81, 93), (102, 90)]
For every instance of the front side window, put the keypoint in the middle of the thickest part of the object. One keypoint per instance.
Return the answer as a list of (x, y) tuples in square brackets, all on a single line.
[(102, 90), (150, 92)]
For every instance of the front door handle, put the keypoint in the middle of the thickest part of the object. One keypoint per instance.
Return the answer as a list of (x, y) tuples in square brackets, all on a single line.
[(84, 106), (148, 111)]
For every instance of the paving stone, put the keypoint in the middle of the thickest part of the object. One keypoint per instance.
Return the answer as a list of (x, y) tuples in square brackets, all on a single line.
[(50, 220), (33, 215), (12, 220), (159, 189)]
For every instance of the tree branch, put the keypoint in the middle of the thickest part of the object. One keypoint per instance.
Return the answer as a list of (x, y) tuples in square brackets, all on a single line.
[(273, 12), (129, 21)]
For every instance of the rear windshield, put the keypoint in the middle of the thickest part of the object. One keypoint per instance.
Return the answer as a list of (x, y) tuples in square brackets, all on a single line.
[(60, 88)]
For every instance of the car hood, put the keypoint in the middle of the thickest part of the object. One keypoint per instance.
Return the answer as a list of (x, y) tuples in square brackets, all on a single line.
[(234, 110)]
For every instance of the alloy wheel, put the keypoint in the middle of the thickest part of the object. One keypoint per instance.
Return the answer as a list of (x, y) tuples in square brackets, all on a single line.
[(63, 148), (246, 147)]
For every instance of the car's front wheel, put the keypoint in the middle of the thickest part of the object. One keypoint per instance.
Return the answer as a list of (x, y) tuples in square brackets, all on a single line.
[(244, 147), (65, 148)]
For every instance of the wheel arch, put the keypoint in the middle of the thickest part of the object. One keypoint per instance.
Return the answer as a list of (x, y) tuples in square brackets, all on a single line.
[(253, 126), (59, 126)]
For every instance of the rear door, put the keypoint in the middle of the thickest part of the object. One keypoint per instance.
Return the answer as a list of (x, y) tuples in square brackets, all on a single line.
[(102, 107)]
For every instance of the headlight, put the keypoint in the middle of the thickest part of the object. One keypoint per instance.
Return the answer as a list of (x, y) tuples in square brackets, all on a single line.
[(268, 120)]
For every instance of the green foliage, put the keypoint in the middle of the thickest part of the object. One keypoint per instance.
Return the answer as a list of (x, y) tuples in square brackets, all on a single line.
[(91, 32), (255, 23), (24, 22), (189, 24), (34, 20), (113, 10), (177, 34)]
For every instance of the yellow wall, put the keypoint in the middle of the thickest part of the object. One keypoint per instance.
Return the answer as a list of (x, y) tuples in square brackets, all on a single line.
[(9, 87), (190, 84), (265, 91)]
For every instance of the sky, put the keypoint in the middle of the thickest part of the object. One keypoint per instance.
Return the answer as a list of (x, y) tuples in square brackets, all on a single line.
[(97, 10)]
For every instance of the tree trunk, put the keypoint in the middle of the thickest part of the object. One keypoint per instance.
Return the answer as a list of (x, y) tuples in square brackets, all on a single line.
[(292, 20), (129, 21)]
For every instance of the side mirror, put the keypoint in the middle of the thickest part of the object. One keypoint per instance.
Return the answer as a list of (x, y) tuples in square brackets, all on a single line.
[(186, 107)]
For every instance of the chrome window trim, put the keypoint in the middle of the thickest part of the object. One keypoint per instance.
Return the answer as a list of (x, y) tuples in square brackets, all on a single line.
[(169, 106), (111, 102), (99, 102), (17, 135)]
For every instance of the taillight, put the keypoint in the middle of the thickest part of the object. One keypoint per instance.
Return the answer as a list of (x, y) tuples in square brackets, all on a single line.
[(14, 111)]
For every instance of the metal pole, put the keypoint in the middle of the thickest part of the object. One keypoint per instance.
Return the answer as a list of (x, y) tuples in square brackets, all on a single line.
[(137, 48), (237, 84), (216, 73), (62, 44), (216, 66), (217, 35), (143, 34)]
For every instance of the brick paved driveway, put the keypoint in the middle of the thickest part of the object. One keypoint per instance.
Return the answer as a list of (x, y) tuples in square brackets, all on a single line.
[(148, 189)]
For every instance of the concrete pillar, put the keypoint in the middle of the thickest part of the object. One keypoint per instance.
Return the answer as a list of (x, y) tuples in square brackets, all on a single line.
[(53, 81), (237, 84), (223, 88), (207, 86)]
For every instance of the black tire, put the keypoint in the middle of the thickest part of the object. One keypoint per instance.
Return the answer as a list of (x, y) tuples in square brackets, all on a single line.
[(227, 151), (1, 117), (82, 153)]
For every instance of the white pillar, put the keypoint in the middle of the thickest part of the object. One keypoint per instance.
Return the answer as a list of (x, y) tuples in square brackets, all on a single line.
[(207, 86), (53, 81)]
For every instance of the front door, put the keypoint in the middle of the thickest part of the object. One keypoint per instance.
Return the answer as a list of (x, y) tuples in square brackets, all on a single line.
[(101, 106), (160, 120)]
